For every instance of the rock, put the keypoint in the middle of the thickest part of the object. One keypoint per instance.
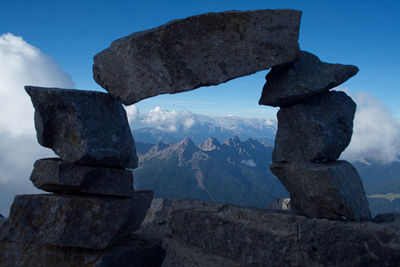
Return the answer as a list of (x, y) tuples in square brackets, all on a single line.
[(140, 251), (86, 127), (202, 50), (324, 190), (387, 218), (318, 129), (213, 234), (2, 220), (280, 204), (55, 175), (290, 83), (73, 221)]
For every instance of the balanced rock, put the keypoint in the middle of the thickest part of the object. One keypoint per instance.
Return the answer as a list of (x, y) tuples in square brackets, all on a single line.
[(55, 175), (324, 190), (293, 82), (72, 221), (213, 234), (86, 127), (318, 129), (202, 50)]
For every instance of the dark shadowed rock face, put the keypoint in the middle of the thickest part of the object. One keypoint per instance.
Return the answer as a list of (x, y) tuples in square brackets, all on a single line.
[(324, 190), (318, 129), (212, 234), (202, 50), (87, 127), (291, 83), (55, 175), (73, 221)]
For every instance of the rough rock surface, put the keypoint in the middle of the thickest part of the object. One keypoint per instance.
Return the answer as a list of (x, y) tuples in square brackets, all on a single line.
[(2, 220), (55, 175), (87, 127), (140, 251), (318, 129), (280, 204), (212, 234), (324, 190), (291, 83), (202, 50), (73, 221)]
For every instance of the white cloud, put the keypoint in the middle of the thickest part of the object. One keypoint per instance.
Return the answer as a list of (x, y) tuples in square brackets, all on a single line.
[(376, 132), (249, 162), (21, 64)]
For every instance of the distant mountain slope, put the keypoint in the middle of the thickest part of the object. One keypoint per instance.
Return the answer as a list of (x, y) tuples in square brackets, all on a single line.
[(234, 172)]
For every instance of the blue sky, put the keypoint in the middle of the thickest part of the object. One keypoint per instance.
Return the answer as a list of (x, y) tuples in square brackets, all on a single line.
[(363, 33)]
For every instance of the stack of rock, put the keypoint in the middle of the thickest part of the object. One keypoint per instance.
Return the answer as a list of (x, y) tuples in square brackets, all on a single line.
[(314, 127), (94, 206)]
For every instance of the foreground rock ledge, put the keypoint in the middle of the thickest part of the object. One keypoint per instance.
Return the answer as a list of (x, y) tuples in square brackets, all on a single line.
[(212, 234), (87, 127), (324, 190), (202, 50)]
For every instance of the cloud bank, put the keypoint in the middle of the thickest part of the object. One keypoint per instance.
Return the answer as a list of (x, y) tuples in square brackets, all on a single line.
[(376, 132), (21, 64)]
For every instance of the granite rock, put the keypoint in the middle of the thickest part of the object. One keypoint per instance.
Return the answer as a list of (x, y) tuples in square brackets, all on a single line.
[(73, 221), (316, 130), (213, 234), (86, 127), (55, 175), (140, 251), (202, 50), (324, 190), (293, 82)]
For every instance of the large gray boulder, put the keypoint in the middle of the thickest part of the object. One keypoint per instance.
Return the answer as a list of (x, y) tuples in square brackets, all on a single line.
[(86, 127), (140, 251), (293, 82), (324, 190), (73, 221), (202, 50), (318, 129), (55, 175), (213, 234)]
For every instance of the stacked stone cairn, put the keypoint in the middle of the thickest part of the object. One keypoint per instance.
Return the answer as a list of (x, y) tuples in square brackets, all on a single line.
[(93, 214), (94, 210), (314, 127)]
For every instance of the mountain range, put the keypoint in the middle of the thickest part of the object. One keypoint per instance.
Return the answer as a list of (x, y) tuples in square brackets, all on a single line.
[(236, 171)]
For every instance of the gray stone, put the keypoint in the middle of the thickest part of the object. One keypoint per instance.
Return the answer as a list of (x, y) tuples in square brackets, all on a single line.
[(140, 251), (324, 190), (2, 220), (213, 234), (87, 127), (318, 129), (291, 83), (73, 221), (55, 175), (202, 50)]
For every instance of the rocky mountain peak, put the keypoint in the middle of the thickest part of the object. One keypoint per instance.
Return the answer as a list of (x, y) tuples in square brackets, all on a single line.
[(233, 141), (210, 144)]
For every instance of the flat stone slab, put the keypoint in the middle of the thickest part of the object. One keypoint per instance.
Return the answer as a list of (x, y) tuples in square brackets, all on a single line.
[(315, 130), (73, 221), (288, 84), (214, 234), (324, 190), (55, 175), (86, 127), (202, 50)]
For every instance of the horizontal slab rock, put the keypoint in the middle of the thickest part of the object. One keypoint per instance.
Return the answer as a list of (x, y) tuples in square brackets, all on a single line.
[(324, 190), (291, 83), (72, 221), (318, 129), (87, 127), (55, 175), (202, 50), (140, 251), (211, 234)]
